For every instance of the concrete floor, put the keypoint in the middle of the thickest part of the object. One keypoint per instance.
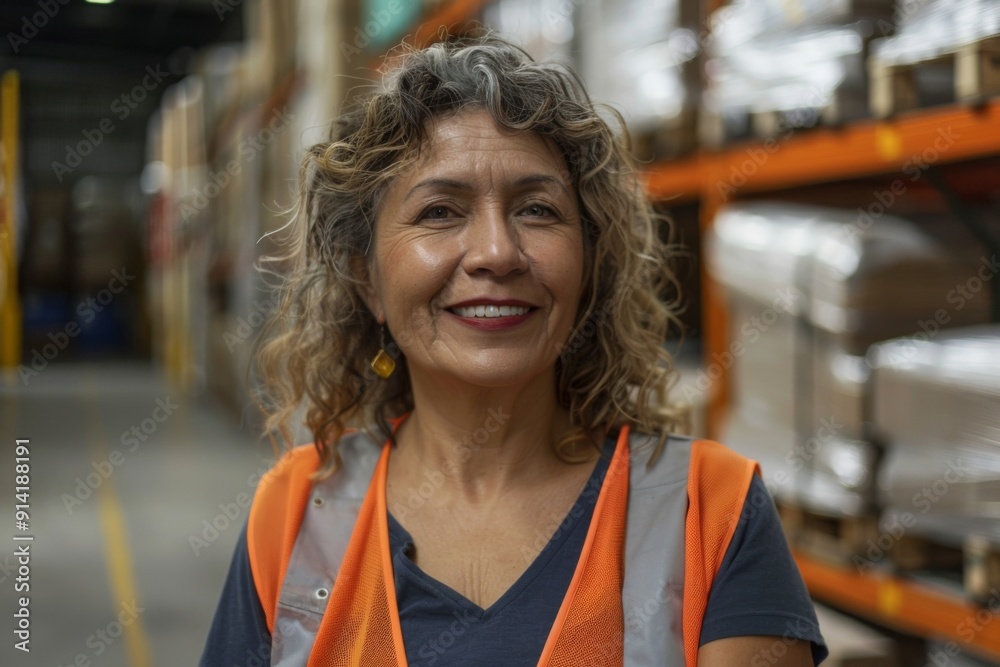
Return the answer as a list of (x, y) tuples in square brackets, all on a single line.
[(96, 562)]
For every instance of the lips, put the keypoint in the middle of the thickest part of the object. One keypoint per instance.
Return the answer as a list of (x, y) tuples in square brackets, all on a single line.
[(487, 308), (488, 311)]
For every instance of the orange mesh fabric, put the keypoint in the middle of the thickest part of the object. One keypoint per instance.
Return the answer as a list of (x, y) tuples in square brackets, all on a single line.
[(275, 515), (718, 482), (590, 629), (361, 623)]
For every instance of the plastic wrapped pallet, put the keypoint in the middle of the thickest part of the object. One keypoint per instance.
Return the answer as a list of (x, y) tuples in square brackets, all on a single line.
[(870, 284), (810, 289), (771, 56), (759, 252), (937, 405), (840, 386)]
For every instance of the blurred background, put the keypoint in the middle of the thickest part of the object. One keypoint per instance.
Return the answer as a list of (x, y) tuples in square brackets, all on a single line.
[(831, 170)]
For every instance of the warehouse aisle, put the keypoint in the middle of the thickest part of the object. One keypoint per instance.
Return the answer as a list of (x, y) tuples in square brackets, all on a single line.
[(126, 478)]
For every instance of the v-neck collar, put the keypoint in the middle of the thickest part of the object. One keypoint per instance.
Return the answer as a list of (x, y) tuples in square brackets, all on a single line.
[(559, 539)]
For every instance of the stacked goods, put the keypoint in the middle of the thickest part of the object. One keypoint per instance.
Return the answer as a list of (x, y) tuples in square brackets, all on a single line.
[(106, 246), (782, 65), (759, 252), (936, 401), (884, 281), (943, 51), (181, 228), (801, 382), (866, 286), (641, 57)]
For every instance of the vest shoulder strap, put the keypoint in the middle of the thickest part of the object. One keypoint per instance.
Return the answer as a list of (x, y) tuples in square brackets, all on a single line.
[(275, 515), (718, 483)]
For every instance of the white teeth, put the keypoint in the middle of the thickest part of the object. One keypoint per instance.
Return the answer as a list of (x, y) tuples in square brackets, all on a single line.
[(491, 311)]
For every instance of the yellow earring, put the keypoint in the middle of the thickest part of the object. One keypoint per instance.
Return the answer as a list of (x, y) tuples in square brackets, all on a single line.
[(383, 364)]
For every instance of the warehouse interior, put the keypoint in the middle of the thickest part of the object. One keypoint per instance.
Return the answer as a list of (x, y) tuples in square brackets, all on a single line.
[(830, 172)]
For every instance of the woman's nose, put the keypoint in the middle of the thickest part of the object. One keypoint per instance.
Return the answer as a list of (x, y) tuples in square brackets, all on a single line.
[(494, 245)]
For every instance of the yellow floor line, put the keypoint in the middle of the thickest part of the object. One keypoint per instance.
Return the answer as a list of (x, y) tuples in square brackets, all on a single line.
[(119, 558)]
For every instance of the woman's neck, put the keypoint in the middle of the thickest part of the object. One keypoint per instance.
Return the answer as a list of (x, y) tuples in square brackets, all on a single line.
[(479, 443)]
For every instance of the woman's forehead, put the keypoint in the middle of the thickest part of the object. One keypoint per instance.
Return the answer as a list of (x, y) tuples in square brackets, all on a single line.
[(471, 139)]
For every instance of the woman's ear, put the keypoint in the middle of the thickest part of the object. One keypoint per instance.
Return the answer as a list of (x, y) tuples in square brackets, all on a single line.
[(360, 270)]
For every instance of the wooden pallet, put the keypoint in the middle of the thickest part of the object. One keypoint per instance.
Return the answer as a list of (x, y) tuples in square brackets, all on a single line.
[(981, 574), (836, 540), (975, 68), (716, 132), (976, 562)]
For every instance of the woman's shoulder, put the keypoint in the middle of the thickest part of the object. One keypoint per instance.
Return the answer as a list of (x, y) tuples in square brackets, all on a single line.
[(294, 472)]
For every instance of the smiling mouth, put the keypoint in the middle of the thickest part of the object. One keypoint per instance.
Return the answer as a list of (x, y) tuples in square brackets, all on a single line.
[(486, 312)]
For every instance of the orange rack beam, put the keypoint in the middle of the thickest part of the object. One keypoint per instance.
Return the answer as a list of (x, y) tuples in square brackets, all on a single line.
[(908, 606), (824, 155)]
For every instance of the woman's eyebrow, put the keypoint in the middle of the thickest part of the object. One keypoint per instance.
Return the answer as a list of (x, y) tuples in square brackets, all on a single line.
[(540, 179), (439, 184)]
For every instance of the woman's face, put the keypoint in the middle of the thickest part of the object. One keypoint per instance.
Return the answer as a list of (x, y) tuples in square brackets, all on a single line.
[(478, 254)]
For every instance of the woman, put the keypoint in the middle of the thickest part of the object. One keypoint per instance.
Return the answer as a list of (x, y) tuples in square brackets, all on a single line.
[(476, 273)]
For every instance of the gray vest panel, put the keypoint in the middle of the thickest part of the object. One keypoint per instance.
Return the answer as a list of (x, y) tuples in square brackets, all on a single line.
[(326, 529), (653, 589), (654, 552)]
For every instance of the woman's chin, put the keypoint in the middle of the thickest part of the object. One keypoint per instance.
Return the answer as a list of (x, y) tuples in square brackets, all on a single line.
[(493, 376)]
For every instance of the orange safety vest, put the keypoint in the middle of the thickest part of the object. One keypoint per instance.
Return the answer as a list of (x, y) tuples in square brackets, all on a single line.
[(357, 622)]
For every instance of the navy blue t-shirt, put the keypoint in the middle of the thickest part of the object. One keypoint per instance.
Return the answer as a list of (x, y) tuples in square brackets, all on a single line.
[(758, 591)]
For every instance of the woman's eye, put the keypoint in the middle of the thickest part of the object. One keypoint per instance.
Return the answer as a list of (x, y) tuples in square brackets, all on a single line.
[(538, 211), (437, 213)]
